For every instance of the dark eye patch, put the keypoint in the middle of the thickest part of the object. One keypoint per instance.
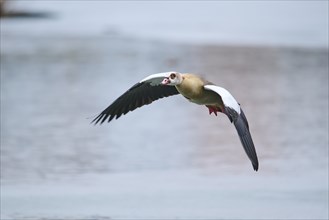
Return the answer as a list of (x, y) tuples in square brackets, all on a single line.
[(172, 76)]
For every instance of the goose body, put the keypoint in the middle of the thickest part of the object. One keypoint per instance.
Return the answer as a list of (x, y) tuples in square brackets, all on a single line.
[(193, 88)]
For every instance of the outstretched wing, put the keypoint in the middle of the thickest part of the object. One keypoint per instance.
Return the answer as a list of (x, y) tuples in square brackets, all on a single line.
[(237, 116), (142, 93)]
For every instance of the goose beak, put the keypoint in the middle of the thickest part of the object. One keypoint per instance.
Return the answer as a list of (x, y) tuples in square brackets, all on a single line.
[(165, 81)]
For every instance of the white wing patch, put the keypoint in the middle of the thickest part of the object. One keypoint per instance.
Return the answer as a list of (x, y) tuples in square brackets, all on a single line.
[(227, 98), (156, 79)]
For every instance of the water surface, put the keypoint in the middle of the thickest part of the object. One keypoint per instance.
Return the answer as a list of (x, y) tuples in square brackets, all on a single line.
[(169, 159)]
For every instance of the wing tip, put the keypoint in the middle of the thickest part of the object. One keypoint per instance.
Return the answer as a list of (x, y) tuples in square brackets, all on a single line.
[(95, 120), (255, 166), (100, 119)]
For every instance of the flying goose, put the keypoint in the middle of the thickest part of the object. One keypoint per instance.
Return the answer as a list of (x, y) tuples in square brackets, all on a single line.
[(193, 88)]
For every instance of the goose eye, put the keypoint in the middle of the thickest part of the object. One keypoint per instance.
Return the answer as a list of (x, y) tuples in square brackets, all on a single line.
[(172, 76)]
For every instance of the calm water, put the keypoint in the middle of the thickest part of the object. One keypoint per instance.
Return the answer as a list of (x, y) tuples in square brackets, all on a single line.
[(169, 159), (171, 151)]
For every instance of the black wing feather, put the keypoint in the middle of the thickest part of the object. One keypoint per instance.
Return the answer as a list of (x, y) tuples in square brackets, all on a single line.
[(242, 127), (142, 93)]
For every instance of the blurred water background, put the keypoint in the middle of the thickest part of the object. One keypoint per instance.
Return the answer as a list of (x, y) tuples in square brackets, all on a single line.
[(169, 159)]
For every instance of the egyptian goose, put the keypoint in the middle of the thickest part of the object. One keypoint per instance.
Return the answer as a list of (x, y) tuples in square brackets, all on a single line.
[(193, 88)]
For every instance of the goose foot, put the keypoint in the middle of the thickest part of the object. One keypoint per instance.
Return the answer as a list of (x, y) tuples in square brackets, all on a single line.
[(213, 109)]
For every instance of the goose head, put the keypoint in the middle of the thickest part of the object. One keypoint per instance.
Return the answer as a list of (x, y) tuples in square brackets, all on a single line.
[(173, 79)]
